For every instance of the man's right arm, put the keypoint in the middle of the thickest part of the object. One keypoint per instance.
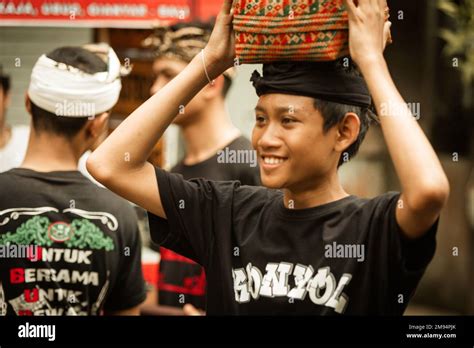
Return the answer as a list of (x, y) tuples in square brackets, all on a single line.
[(120, 162)]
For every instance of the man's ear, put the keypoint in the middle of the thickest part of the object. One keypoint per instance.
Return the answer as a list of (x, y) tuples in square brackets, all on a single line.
[(210, 91), (98, 125), (347, 131), (27, 103)]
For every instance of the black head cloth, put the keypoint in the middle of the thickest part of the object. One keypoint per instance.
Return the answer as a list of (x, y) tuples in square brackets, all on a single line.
[(322, 80)]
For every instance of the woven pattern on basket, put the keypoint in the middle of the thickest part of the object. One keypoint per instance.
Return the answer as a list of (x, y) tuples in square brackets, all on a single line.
[(296, 30)]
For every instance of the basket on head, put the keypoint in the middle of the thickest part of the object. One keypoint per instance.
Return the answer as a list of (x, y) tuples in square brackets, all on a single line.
[(290, 30)]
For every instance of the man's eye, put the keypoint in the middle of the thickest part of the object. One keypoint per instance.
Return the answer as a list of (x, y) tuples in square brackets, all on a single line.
[(287, 120), (259, 119)]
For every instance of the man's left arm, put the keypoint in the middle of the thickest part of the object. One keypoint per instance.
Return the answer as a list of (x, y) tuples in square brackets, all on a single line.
[(425, 187)]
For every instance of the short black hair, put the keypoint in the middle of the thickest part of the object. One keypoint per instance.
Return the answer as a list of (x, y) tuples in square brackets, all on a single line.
[(207, 26), (4, 81), (333, 113), (45, 121), (79, 58)]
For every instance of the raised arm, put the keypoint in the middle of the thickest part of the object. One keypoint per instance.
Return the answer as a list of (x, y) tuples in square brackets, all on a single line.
[(425, 187), (120, 162)]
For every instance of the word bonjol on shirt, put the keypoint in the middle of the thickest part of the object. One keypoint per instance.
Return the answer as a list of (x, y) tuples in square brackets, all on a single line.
[(321, 287)]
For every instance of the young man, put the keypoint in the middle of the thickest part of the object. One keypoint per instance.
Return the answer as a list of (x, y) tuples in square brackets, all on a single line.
[(273, 252), (13, 140), (81, 240), (208, 134)]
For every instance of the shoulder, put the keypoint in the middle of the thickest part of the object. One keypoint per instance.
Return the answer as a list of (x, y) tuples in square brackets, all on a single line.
[(379, 203), (246, 193), (250, 200), (179, 167), (379, 208), (122, 211), (11, 182), (8, 175), (246, 169), (174, 185)]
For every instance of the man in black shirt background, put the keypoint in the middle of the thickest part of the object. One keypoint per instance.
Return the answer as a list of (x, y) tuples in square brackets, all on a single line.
[(82, 242)]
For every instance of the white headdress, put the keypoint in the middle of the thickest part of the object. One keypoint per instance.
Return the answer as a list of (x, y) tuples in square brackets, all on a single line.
[(67, 91)]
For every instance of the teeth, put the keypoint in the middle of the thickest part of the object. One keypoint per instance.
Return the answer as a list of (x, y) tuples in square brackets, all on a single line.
[(273, 160)]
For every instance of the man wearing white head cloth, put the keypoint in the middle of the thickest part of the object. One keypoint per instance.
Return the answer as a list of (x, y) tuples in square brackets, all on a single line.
[(72, 233)]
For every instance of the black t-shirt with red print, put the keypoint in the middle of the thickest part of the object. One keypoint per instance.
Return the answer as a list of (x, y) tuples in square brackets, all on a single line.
[(67, 246)]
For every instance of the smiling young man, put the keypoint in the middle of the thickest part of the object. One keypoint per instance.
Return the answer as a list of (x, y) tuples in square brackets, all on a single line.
[(266, 251)]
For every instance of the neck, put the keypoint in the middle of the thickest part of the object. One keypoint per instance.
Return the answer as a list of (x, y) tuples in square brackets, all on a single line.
[(47, 153), (5, 133), (325, 191), (213, 132)]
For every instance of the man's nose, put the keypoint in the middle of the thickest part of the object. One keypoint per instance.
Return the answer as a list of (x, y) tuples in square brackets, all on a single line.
[(270, 138)]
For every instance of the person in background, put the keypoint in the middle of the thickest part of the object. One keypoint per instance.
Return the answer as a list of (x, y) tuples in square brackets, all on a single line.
[(84, 249), (13, 140)]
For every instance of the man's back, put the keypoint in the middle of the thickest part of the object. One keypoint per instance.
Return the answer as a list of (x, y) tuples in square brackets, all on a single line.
[(88, 246)]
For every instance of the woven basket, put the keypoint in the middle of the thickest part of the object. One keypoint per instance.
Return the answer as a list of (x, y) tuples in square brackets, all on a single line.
[(290, 30)]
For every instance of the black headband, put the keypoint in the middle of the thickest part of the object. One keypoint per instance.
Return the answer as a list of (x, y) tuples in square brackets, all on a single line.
[(321, 80)]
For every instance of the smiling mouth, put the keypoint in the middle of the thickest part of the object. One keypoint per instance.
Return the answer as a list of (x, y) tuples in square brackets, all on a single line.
[(272, 160)]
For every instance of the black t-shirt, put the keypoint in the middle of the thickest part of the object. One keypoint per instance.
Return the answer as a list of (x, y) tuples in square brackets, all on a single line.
[(180, 279), (262, 258), (84, 246), (228, 164)]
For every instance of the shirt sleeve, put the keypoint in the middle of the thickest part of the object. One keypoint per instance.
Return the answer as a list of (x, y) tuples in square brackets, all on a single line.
[(406, 259), (130, 288), (411, 257), (195, 209)]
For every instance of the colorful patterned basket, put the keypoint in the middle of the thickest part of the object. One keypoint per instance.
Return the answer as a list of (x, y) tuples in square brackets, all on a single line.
[(296, 30)]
